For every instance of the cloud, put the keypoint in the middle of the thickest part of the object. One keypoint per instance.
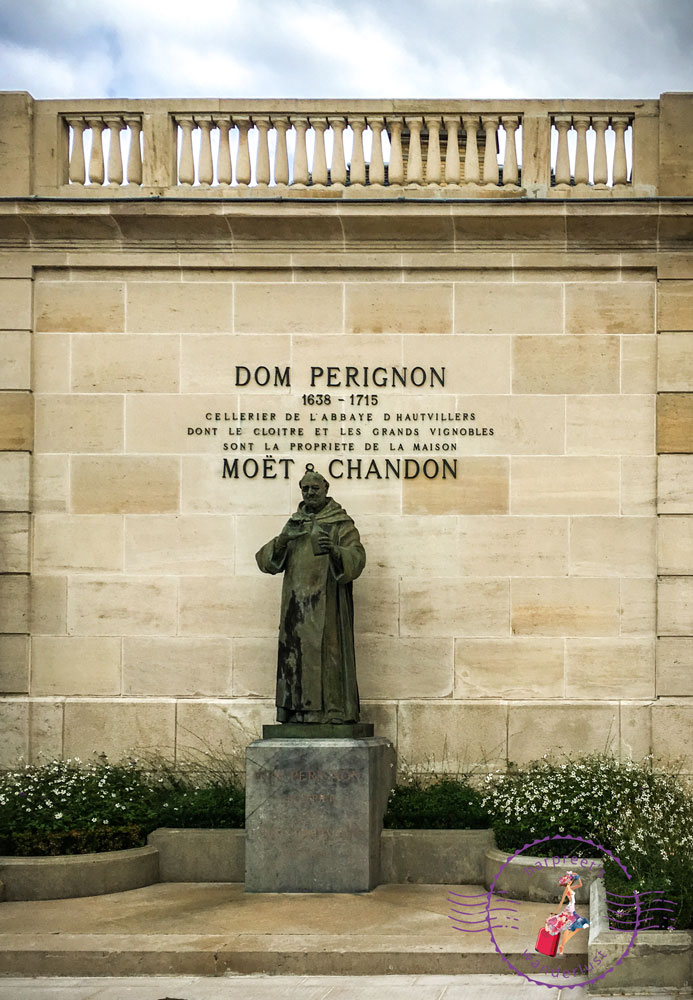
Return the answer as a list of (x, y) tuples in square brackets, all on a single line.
[(345, 48)]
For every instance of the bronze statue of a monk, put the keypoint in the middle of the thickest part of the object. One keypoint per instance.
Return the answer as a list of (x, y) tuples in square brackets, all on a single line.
[(320, 553)]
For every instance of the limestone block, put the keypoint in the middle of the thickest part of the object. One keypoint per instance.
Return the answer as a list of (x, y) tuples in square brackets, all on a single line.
[(508, 308), (408, 546), (450, 607), (675, 152), (79, 306), (606, 307), (288, 308), (123, 606), (363, 496), (125, 484), (357, 350), (83, 543), (481, 487), (675, 484), (399, 308), (383, 716), (15, 359), (74, 665), (639, 363), (14, 734), (674, 667), (14, 664), (513, 546), (612, 546), (14, 602), (222, 727), (125, 363), (79, 423), (566, 364), (675, 422), (610, 425), (205, 490), (389, 667), (189, 544), (675, 605), (675, 360), (179, 307), (675, 265), (14, 543), (251, 533), (636, 730), (672, 731), (459, 733), (569, 606), (238, 606), (675, 545), (638, 606), (48, 605), (16, 421), (515, 668), (675, 305), (609, 668), (50, 483), (175, 667), (638, 486), (51, 362), (119, 728), (166, 424), (15, 468), (536, 729), (254, 668), (486, 367), (376, 604), (564, 485), (209, 362), (16, 304)]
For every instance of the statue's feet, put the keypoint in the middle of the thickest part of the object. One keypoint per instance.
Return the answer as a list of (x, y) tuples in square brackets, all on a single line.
[(335, 722)]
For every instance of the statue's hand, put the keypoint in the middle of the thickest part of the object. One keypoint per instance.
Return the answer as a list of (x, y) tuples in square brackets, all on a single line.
[(292, 529)]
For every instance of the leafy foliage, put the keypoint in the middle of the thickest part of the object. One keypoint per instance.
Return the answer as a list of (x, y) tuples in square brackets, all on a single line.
[(444, 804)]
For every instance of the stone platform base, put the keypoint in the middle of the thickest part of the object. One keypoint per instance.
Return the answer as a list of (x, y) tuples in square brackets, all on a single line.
[(314, 813), (317, 731)]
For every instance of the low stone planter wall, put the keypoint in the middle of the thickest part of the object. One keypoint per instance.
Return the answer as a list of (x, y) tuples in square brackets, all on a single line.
[(199, 855), (658, 959), (434, 856), (536, 879), (74, 875)]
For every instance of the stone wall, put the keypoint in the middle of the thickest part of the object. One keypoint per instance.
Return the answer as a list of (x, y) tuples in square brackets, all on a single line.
[(506, 610)]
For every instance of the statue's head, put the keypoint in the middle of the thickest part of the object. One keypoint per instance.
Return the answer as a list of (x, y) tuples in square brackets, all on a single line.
[(314, 488)]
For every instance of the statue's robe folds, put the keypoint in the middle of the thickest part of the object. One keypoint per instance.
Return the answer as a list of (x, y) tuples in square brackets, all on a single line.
[(316, 665)]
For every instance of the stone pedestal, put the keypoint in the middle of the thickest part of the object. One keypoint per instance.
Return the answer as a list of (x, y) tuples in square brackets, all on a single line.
[(314, 813)]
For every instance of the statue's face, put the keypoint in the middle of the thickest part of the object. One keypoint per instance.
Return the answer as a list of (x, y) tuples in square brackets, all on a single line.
[(314, 494)]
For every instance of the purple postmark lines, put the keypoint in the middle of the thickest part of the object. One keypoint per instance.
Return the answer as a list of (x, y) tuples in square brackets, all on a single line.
[(648, 911), (474, 914)]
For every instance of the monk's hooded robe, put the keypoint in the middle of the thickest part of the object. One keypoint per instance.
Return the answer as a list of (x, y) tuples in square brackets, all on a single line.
[(316, 666)]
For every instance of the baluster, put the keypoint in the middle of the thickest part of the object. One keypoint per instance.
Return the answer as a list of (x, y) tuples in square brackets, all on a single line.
[(243, 155), (186, 163), (205, 173), (490, 126), (414, 162), (76, 171), (338, 169), (433, 165), (224, 175), (319, 159), (115, 156), (301, 153), (471, 151), (562, 123), (619, 124), (96, 158), (376, 170), (395, 171), (134, 123), (582, 170), (281, 157), (510, 172), (601, 174), (452, 150), (357, 170), (262, 172)]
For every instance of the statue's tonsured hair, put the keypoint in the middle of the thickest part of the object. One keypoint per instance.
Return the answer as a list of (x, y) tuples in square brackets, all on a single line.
[(312, 473)]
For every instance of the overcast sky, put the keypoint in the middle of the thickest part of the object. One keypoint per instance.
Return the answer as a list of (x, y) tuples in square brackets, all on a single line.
[(346, 48)]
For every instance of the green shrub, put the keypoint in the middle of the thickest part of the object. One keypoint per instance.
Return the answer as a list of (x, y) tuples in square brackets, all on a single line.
[(446, 803)]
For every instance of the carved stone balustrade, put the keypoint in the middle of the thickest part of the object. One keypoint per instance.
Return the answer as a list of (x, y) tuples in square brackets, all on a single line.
[(582, 157)]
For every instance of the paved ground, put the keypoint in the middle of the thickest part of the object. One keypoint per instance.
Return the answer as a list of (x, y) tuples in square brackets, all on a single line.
[(293, 988)]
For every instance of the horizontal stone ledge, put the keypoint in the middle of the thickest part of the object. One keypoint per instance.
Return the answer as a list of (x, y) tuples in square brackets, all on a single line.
[(70, 876)]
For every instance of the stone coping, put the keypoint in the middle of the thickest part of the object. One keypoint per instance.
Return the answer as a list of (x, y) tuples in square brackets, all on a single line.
[(535, 878), (71, 875), (657, 959)]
